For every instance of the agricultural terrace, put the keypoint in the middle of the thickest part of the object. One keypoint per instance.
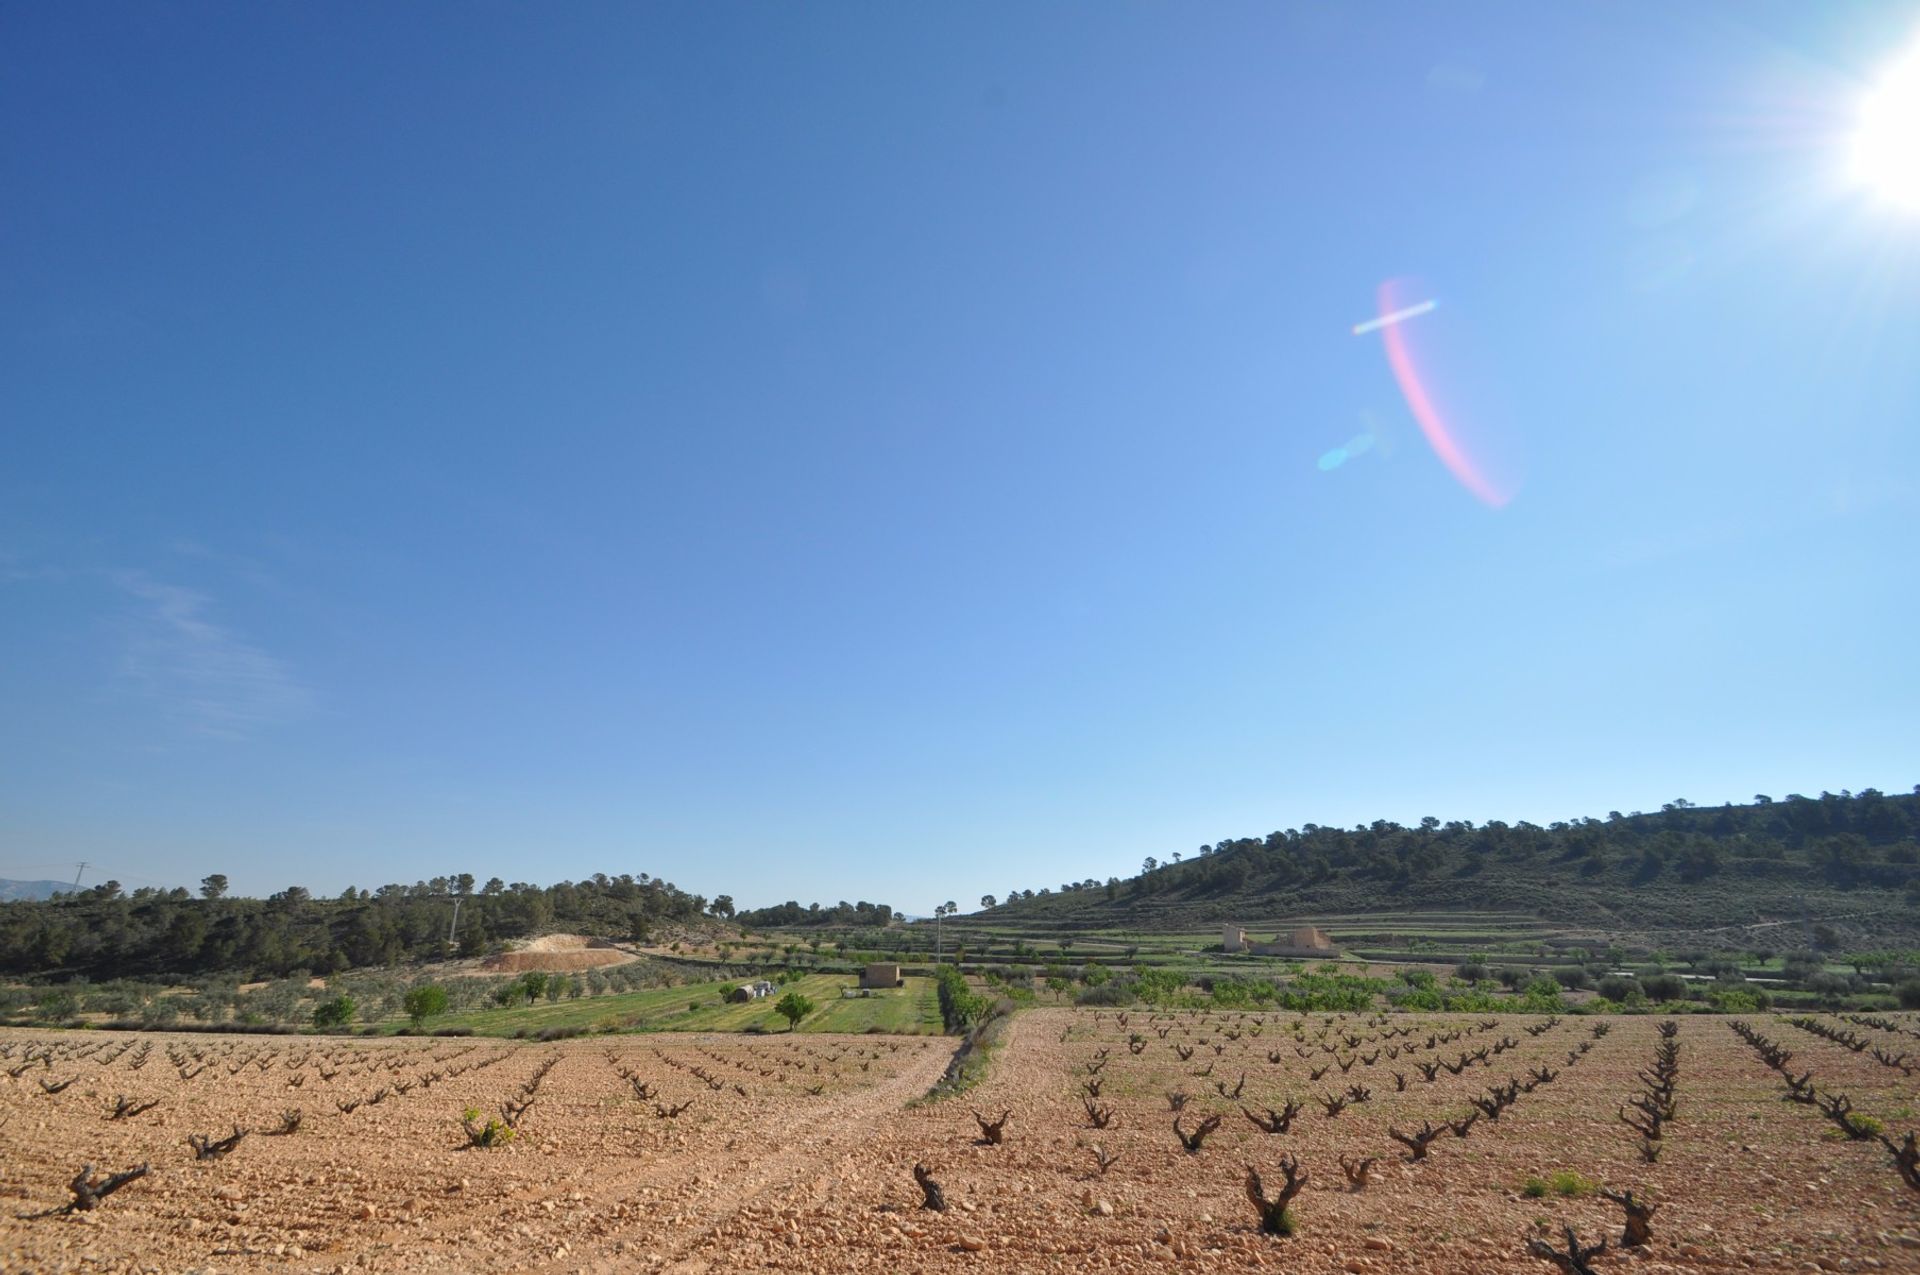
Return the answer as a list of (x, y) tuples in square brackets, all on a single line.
[(704, 1007), (1416, 1142)]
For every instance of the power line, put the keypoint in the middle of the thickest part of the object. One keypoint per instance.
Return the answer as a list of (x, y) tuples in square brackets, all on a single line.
[(129, 876)]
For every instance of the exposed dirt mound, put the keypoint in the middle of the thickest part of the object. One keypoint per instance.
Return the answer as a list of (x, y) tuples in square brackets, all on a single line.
[(565, 943), (558, 953)]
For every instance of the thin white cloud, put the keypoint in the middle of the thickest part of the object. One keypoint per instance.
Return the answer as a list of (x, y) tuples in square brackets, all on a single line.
[(203, 674), (16, 569)]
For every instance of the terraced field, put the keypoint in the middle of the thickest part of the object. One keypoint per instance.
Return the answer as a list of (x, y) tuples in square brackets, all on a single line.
[(697, 1007), (1441, 937)]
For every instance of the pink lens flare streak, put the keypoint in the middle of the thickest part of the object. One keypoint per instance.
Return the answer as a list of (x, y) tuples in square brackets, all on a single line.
[(1398, 316), (1427, 413)]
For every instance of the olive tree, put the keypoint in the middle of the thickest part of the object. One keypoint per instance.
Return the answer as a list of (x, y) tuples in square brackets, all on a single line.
[(425, 1002), (793, 1007)]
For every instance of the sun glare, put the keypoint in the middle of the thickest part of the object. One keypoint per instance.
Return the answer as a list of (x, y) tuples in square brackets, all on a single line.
[(1886, 147)]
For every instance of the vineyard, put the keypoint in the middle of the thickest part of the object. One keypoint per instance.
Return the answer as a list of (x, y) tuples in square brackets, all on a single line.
[(1098, 1140)]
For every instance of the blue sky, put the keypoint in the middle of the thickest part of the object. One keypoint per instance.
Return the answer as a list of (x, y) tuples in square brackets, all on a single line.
[(874, 452)]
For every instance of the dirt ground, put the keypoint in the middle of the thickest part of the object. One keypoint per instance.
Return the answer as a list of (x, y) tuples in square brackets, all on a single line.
[(801, 1158), (557, 953)]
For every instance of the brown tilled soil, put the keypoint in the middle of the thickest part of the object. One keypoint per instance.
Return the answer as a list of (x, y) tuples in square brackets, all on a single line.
[(780, 1178)]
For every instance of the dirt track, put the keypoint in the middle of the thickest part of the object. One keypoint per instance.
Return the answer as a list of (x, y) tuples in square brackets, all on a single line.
[(782, 1179)]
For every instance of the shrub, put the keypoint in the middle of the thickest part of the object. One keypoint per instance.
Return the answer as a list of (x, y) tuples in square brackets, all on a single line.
[(57, 1005), (1541, 997), (495, 1133), (960, 1005), (1240, 993), (1829, 984), (1664, 987), (1571, 1185), (1800, 964), (1114, 993), (1330, 993), (1534, 1188), (1571, 977), (337, 1012), (425, 1002), (1472, 971), (1467, 1000), (1909, 993), (1426, 1000), (1158, 986), (1621, 989), (1738, 1000), (793, 1007)]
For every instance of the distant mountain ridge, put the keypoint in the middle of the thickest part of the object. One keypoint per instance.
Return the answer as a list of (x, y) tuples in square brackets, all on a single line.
[(12, 890)]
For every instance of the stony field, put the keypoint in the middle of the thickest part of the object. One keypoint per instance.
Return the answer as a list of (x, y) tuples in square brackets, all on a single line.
[(796, 1152)]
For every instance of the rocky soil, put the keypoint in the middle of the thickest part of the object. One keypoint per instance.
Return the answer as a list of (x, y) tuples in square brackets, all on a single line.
[(796, 1152)]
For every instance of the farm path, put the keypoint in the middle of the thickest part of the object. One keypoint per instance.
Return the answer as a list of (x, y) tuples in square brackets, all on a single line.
[(674, 1210)]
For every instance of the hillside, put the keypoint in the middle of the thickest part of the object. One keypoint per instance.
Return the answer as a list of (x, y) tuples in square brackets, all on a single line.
[(1849, 863), (103, 933)]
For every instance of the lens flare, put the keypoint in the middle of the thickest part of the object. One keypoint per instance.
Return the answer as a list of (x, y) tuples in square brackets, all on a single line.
[(1443, 435), (1398, 316), (1358, 445), (1886, 149)]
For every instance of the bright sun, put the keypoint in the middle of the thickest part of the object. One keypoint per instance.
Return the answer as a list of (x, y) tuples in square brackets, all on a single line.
[(1886, 147)]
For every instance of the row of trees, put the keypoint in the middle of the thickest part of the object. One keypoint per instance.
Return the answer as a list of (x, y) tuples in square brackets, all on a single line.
[(378, 995), (103, 932), (840, 914)]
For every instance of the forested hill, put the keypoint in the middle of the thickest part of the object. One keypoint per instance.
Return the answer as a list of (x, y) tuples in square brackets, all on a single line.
[(1853, 857), (104, 933)]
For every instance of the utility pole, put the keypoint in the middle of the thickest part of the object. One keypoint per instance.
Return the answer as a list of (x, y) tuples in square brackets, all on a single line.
[(83, 866), (455, 925)]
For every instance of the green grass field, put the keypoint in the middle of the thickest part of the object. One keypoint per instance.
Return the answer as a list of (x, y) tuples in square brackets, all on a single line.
[(696, 1007)]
